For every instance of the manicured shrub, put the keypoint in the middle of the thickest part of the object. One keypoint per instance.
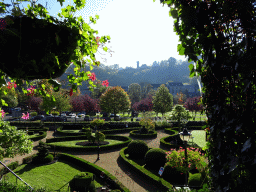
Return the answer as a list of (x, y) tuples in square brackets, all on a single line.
[(171, 175), (194, 179), (49, 158), (155, 158), (137, 149)]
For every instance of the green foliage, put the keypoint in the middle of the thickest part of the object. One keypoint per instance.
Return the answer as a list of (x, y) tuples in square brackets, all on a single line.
[(55, 113), (97, 122), (155, 158), (6, 186), (171, 175), (163, 101), (194, 179), (11, 135), (86, 46), (33, 114), (134, 91), (115, 100), (179, 113), (137, 149)]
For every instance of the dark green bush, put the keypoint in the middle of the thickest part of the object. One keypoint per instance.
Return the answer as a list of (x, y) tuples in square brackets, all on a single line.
[(173, 176), (194, 179), (137, 149), (155, 158), (49, 158)]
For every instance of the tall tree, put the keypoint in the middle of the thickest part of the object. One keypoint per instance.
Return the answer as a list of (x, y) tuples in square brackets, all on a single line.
[(145, 90), (134, 91), (163, 101), (223, 32), (115, 100)]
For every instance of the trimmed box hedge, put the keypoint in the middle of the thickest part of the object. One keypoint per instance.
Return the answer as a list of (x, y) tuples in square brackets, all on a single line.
[(126, 140), (136, 134), (142, 172)]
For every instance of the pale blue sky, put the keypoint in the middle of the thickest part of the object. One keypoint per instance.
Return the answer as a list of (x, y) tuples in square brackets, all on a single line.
[(140, 30)]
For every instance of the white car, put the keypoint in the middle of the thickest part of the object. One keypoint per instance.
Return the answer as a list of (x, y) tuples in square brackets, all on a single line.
[(82, 115), (71, 116)]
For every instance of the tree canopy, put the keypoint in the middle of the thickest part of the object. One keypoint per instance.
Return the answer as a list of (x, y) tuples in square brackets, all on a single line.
[(115, 100), (163, 101)]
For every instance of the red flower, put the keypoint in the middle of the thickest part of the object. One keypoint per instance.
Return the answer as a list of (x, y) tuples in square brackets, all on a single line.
[(92, 76), (10, 85), (71, 92), (105, 83)]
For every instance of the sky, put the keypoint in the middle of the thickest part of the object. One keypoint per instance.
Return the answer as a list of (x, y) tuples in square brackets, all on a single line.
[(140, 30)]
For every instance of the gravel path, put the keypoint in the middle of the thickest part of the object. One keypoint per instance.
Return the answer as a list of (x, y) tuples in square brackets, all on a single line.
[(110, 161)]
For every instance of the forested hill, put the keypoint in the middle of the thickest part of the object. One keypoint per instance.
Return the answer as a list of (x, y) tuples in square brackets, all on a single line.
[(157, 73)]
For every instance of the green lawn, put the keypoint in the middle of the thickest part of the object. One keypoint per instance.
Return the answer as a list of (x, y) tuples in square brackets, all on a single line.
[(71, 131), (73, 143), (199, 138), (52, 177)]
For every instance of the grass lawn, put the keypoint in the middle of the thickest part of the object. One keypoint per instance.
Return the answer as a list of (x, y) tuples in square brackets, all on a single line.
[(51, 177), (34, 135), (199, 138), (73, 143), (71, 131)]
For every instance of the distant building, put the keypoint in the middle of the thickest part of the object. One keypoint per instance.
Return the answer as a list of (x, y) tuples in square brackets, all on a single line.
[(177, 87), (155, 86), (138, 64)]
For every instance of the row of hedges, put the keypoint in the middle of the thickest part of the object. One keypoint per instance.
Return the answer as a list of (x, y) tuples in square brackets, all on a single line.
[(126, 141), (136, 134), (33, 129), (42, 135), (110, 179), (142, 172)]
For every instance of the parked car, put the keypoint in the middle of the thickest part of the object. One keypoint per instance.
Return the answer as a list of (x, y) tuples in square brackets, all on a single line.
[(117, 116), (71, 115), (82, 115), (86, 118), (38, 117), (56, 119), (63, 114)]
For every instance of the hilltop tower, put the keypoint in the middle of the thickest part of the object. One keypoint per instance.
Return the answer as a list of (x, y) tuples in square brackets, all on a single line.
[(138, 65)]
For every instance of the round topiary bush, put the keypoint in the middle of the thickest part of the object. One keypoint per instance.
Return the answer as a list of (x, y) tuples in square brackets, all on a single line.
[(137, 149), (173, 176), (194, 179), (49, 158), (155, 158)]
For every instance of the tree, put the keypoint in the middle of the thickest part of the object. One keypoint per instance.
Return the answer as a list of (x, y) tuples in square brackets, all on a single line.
[(192, 104), (144, 105), (13, 142), (179, 113), (114, 100), (134, 91), (145, 90), (223, 33), (62, 101), (163, 101)]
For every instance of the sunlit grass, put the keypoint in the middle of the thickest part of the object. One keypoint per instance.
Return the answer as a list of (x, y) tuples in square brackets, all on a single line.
[(73, 143), (52, 177)]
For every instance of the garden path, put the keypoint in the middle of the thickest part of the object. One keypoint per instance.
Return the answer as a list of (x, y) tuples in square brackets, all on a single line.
[(110, 161)]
